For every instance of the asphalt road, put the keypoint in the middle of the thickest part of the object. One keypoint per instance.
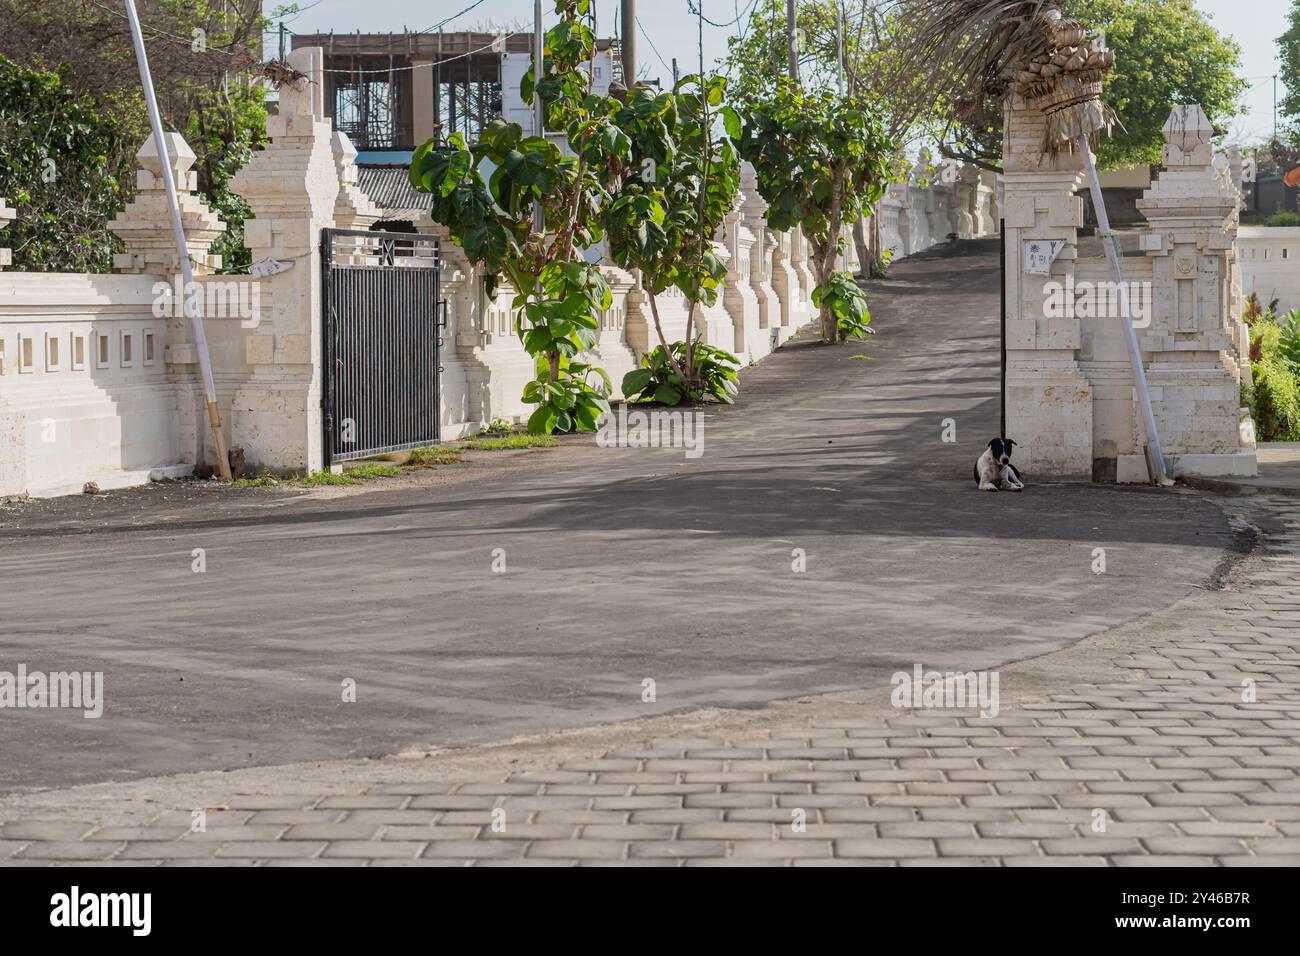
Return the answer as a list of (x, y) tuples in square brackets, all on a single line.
[(621, 566)]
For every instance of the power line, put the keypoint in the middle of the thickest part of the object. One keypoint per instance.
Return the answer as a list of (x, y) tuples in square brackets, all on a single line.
[(418, 66), (740, 15), (443, 23), (652, 46), (296, 13), (382, 70)]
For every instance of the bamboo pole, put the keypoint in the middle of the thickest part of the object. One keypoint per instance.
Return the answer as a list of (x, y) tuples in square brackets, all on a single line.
[(193, 305)]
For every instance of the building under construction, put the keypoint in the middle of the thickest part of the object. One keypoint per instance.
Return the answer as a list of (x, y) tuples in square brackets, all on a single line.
[(390, 91)]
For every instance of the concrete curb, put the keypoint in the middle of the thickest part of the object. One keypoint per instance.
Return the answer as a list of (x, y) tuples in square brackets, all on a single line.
[(1226, 487)]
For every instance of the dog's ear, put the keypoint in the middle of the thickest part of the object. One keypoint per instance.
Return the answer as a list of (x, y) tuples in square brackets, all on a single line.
[(1009, 442), (991, 441)]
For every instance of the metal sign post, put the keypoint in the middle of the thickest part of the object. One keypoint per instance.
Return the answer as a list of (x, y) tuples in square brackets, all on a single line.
[(193, 306)]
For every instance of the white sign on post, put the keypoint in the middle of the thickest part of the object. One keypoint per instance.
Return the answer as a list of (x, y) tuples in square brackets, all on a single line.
[(268, 267), (1040, 254)]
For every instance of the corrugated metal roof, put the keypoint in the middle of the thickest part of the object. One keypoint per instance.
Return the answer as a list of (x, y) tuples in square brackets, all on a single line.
[(390, 190)]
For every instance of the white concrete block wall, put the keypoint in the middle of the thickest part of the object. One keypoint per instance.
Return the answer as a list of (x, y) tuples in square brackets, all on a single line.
[(86, 393), (1269, 259)]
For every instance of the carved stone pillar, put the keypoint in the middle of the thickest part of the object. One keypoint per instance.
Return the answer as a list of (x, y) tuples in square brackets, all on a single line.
[(738, 296), (353, 209), (752, 210), (1194, 342), (145, 225), (1049, 400), (292, 186), (966, 186)]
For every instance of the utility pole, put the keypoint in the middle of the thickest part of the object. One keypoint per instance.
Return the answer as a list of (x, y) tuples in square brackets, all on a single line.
[(539, 109), (792, 49), (1275, 107), (676, 75), (281, 42), (627, 43), (193, 303)]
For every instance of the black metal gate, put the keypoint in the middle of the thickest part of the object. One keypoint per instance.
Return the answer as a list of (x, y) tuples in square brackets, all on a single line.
[(381, 342)]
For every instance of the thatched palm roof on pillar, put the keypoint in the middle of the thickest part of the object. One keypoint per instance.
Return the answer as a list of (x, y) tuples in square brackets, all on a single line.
[(996, 47)]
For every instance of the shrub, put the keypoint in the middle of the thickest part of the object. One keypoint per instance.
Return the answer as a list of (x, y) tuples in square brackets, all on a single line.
[(1283, 219), (845, 300), (63, 162), (1275, 393), (658, 379), (1288, 341)]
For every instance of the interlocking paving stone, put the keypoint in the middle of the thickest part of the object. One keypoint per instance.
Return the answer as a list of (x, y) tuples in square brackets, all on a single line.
[(1179, 767)]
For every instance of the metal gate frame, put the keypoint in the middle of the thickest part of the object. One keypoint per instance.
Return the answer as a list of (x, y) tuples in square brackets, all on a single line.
[(381, 325)]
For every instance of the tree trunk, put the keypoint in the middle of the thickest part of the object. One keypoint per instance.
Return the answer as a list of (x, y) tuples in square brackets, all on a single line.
[(863, 247), (821, 272)]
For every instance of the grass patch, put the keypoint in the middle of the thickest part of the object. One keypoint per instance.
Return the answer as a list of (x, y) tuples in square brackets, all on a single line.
[(513, 440), (261, 481), (860, 358), (353, 476), (433, 455), (416, 458), (450, 454)]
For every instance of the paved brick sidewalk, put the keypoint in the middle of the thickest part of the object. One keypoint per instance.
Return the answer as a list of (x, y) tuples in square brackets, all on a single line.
[(1174, 765)]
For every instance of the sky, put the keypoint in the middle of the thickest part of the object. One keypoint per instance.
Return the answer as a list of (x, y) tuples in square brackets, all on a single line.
[(668, 29)]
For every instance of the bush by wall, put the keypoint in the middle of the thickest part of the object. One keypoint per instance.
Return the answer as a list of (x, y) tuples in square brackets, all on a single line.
[(1274, 395)]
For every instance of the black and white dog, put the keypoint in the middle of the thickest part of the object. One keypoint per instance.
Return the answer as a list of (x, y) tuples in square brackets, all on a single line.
[(994, 471)]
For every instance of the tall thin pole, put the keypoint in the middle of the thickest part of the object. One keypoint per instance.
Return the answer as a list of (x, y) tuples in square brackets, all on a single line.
[(676, 74), (627, 43), (281, 42), (839, 46), (1154, 453), (193, 304), (791, 50), (539, 108), (1002, 232)]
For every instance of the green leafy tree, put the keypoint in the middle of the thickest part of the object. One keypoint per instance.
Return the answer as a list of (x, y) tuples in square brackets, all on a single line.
[(63, 163), (559, 296), (204, 56), (673, 196), (1288, 47), (876, 68), (822, 160), (1167, 52)]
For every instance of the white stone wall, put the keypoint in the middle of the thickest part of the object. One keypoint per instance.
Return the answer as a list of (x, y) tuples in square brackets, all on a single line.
[(92, 387), (1269, 260)]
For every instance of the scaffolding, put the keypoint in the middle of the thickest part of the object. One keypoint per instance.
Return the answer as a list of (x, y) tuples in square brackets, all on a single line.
[(374, 80)]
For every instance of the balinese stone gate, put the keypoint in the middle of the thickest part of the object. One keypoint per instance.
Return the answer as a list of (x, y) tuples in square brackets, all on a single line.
[(1071, 402)]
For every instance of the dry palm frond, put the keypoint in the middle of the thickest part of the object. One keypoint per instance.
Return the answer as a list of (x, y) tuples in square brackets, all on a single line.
[(991, 48), (977, 44), (281, 74)]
